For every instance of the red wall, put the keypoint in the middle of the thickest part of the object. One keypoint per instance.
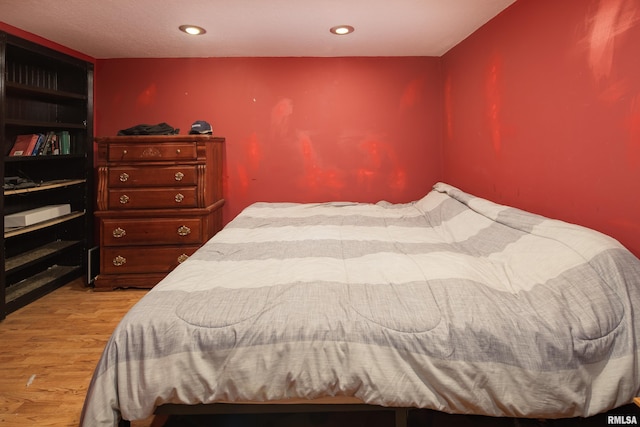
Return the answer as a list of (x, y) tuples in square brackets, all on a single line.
[(296, 129), (542, 111)]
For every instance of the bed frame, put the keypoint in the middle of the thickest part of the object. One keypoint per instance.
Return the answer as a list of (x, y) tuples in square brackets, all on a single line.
[(163, 412), (281, 407)]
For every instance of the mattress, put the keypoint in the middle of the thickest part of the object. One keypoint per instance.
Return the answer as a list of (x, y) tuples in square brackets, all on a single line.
[(451, 302)]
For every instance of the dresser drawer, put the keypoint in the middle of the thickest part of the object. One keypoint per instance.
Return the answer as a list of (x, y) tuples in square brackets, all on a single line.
[(159, 176), (150, 260), (131, 152), (151, 231), (152, 198)]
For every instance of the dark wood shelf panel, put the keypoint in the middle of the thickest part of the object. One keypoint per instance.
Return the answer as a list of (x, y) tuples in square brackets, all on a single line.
[(12, 232), (37, 254), (39, 282), (40, 158), (43, 93), (47, 185), (44, 124)]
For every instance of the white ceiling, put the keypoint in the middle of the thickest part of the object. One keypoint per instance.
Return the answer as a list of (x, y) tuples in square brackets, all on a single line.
[(149, 28)]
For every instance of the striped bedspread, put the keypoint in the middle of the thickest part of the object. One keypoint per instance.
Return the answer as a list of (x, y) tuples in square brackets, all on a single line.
[(451, 302)]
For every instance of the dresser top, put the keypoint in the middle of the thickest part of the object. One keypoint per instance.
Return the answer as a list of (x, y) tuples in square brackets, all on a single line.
[(159, 138)]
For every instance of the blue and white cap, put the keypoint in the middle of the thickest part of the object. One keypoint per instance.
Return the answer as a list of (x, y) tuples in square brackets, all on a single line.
[(200, 127)]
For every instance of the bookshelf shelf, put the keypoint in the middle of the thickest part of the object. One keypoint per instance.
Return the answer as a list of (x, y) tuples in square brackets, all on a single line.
[(44, 124), (17, 231), (24, 90), (44, 186), (47, 250)]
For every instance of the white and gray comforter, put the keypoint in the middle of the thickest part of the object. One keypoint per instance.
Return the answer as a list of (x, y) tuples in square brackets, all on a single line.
[(452, 303)]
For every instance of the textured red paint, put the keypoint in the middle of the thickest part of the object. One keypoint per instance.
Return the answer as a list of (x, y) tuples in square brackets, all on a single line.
[(633, 144), (365, 175), (564, 76), (448, 109), (612, 19), (147, 96), (293, 126), (381, 165), (316, 176), (615, 90), (412, 94), (333, 178), (607, 31), (243, 177), (280, 117), (254, 152), (494, 103), (399, 179), (312, 173), (372, 150)]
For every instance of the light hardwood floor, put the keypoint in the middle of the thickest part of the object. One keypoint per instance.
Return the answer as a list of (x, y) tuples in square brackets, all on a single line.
[(49, 349)]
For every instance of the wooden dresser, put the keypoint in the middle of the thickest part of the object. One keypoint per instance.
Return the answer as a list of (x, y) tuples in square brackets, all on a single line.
[(159, 199)]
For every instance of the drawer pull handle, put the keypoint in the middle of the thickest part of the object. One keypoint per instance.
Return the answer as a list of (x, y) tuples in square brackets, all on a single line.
[(124, 199), (178, 151), (119, 261), (119, 232), (179, 197), (179, 176), (183, 230), (124, 177), (182, 258), (124, 152)]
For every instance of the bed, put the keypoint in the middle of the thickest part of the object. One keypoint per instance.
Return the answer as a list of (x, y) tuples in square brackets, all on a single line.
[(452, 303)]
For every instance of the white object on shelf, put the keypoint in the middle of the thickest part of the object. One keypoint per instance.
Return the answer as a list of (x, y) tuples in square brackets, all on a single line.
[(34, 216)]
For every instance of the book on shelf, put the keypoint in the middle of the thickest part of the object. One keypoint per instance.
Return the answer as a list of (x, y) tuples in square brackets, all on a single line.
[(65, 142), (47, 147), (34, 152), (40, 144), (24, 145), (46, 140), (55, 144)]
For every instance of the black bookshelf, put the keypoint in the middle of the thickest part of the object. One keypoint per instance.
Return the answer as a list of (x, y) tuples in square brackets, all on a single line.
[(43, 91)]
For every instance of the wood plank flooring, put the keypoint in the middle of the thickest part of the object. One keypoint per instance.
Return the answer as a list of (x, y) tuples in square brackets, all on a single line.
[(49, 349)]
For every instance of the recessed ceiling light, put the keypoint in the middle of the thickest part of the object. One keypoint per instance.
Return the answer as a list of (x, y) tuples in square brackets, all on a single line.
[(341, 30), (194, 30)]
